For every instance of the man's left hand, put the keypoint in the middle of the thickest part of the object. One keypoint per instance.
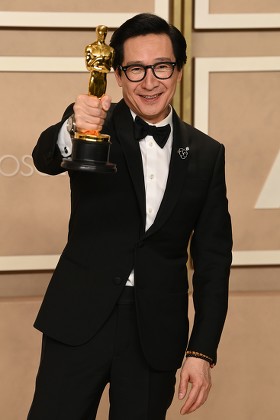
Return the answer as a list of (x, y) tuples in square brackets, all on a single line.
[(196, 372)]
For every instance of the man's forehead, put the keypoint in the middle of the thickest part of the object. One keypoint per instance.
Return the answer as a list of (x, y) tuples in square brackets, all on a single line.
[(159, 45)]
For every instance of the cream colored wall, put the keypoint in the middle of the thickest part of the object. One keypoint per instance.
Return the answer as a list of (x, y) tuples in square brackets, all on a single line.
[(34, 210)]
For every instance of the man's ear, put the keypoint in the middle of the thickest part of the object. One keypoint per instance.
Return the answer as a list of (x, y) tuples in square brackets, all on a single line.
[(179, 78), (118, 77)]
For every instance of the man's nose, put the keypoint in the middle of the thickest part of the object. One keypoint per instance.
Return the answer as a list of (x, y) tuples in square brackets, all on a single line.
[(150, 79)]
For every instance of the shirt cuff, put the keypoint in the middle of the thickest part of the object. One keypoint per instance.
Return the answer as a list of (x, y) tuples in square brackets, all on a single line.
[(64, 141)]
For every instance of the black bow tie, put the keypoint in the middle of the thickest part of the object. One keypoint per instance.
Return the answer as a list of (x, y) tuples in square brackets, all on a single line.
[(160, 134)]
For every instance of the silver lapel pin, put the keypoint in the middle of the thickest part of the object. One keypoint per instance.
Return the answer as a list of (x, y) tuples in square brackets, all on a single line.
[(183, 152)]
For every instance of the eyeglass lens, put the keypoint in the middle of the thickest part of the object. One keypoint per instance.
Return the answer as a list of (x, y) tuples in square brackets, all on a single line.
[(138, 72)]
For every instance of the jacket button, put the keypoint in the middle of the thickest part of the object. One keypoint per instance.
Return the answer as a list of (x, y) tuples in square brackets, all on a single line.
[(117, 281)]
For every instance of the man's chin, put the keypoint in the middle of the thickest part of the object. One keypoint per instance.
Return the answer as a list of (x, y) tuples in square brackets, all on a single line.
[(152, 112)]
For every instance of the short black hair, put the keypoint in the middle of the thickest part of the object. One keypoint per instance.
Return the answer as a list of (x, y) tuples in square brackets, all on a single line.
[(144, 24)]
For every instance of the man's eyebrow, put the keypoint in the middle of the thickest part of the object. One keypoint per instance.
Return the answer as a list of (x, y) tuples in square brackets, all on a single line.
[(156, 60)]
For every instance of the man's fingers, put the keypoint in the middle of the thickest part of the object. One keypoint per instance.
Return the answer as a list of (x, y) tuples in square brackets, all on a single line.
[(90, 113), (183, 385), (191, 400), (196, 398), (106, 102), (182, 393)]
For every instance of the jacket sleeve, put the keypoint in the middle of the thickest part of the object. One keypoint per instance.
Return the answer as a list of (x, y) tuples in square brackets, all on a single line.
[(46, 154), (211, 247)]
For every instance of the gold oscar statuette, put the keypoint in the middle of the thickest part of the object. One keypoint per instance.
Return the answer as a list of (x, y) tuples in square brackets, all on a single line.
[(90, 151)]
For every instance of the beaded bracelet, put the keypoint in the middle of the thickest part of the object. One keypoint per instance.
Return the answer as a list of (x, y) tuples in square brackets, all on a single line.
[(198, 355)]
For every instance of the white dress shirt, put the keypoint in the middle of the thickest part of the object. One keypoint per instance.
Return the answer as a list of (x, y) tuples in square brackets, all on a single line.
[(155, 168)]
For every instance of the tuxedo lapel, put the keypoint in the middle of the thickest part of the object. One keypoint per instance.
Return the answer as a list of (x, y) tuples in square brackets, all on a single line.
[(123, 123), (177, 172), (124, 126)]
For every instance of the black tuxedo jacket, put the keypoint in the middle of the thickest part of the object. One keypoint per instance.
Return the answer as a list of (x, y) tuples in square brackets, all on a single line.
[(107, 239)]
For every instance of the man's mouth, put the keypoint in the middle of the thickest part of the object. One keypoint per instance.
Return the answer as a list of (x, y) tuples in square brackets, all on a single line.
[(151, 97)]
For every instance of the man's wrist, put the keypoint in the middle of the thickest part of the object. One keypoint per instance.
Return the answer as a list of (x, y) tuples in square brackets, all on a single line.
[(198, 355)]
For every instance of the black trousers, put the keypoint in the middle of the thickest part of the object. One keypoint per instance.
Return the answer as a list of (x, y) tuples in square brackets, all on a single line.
[(71, 380)]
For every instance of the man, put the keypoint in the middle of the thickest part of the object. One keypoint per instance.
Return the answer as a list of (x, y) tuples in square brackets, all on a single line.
[(116, 308)]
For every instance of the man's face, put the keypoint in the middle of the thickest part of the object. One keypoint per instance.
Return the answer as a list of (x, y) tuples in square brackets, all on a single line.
[(151, 97)]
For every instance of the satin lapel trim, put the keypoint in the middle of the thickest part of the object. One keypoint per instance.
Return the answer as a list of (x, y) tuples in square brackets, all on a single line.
[(123, 122), (177, 174)]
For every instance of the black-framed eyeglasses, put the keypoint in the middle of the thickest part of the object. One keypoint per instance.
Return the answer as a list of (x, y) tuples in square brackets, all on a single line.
[(137, 72)]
